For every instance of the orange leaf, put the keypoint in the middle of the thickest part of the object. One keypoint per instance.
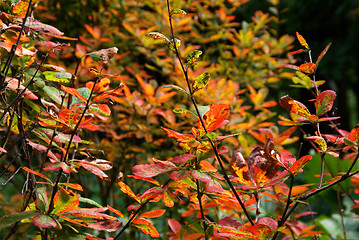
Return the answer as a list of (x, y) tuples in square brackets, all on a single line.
[(74, 92), (36, 173), (214, 118), (65, 200), (354, 134), (299, 164), (302, 40), (126, 189), (20, 9), (307, 67), (153, 213)]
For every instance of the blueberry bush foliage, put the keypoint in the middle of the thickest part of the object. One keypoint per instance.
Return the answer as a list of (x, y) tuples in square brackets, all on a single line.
[(163, 119)]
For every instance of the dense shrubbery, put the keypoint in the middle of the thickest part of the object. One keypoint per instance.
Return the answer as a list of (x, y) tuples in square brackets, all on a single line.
[(86, 126)]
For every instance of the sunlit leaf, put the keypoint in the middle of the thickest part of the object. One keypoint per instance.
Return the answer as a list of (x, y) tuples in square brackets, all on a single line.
[(157, 35), (296, 52), (171, 45), (291, 66), (147, 229), (117, 212), (126, 189), (177, 11), (307, 67), (193, 57), (299, 164), (61, 77), (74, 92), (39, 26), (354, 134), (151, 170), (64, 201), (93, 168), (325, 101), (179, 175), (302, 40), (214, 118), (213, 186), (38, 174), (153, 213), (20, 9), (200, 82), (323, 53), (294, 107)]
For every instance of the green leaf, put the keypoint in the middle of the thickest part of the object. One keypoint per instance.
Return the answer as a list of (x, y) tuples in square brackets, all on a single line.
[(212, 135), (200, 82), (202, 110), (90, 202), (171, 45), (185, 111), (177, 11), (157, 35), (193, 57), (54, 94), (176, 88), (61, 77), (13, 218)]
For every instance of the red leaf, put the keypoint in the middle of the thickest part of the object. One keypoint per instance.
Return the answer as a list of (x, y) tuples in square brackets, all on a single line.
[(174, 225), (185, 140), (213, 186), (108, 225), (39, 26), (299, 164), (307, 67), (291, 66), (94, 169), (179, 175), (201, 176), (153, 213), (93, 213), (182, 158), (354, 134), (151, 170), (229, 222), (13, 84), (214, 117), (302, 40), (296, 108), (44, 221), (324, 102)]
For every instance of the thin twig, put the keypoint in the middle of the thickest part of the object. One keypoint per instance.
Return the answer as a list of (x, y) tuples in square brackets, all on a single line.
[(202, 122)]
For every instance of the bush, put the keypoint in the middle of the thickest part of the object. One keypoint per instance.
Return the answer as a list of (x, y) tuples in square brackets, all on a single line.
[(143, 72)]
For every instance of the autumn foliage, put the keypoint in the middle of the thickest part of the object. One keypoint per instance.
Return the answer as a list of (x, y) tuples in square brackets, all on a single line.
[(164, 121)]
